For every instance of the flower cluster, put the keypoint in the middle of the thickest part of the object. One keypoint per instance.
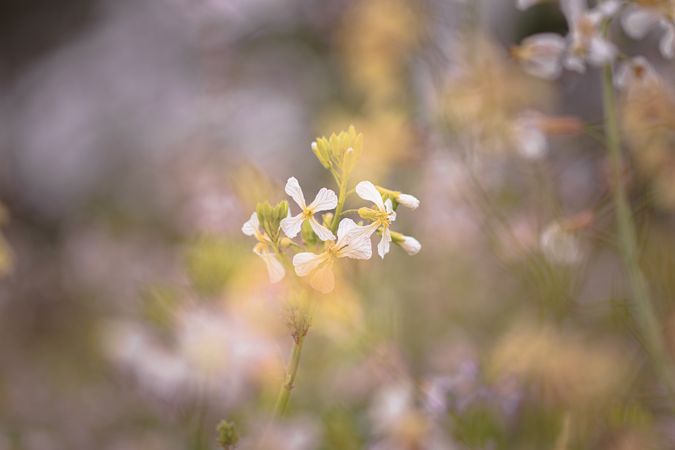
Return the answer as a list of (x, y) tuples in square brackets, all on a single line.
[(327, 235), (545, 55)]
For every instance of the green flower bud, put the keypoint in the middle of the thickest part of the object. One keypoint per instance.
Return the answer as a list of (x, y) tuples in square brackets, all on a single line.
[(227, 435), (270, 217)]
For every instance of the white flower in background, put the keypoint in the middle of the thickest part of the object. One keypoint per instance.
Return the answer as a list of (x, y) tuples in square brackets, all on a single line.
[(382, 216), (528, 136), (640, 18), (559, 245), (353, 241), (325, 200), (635, 70), (587, 43), (544, 55), (541, 55), (264, 248)]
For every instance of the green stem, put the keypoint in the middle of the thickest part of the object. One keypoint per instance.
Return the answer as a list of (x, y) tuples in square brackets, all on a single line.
[(342, 195), (645, 313), (291, 373)]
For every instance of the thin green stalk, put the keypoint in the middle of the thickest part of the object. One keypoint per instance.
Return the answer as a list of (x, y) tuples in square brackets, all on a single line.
[(645, 313), (342, 196), (291, 373)]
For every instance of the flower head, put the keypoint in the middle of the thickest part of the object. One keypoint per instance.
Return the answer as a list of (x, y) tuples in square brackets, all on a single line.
[(353, 241), (644, 15), (325, 200), (264, 248), (382, 215), (408, 243)]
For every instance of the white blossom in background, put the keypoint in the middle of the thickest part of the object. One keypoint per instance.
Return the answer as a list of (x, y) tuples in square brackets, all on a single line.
[(546, 54), (634, 70), (559, 245), (641, 17)]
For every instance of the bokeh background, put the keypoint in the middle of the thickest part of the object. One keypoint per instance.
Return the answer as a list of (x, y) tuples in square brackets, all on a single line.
[(136, 137)]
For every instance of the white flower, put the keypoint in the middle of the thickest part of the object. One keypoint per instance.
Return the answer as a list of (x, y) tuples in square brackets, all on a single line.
[(353, 241), (541, 54), (383, 216), (528, 137), (587, 42), (638, 20), (409, 201), (325, 200), (559, 245), (411, 245), (264, 249), (635, 70)]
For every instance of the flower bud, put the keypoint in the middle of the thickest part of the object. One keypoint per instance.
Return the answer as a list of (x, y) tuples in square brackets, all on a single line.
[(409, 201), (410, 245)]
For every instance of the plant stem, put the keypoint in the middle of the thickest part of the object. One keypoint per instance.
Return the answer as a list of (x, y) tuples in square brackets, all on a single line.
[(645, 313), (291, 373), (342, 195)]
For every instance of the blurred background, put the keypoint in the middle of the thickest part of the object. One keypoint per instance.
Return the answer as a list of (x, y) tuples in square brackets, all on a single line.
[(137, 136)]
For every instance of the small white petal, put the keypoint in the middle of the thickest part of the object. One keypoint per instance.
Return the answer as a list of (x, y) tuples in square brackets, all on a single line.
[(601, 51), (543, 55), (383, 246), (292, 225), (667, 44), (294, 190), (348, 231), (306, 262), (251, 226), (409, 201), (636, 70), (325, 200), (573, 9), (637, 22), (354, 240), (367, 191), (322, 232), (575, 63), (525, 4), (608, 8), (389, 208), (528, 139), (411, 245), (275, 269)]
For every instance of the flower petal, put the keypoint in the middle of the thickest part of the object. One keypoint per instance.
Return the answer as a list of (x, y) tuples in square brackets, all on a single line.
[(325, 200), (601, 51), (306, 262), (292, 225), (528, 138), (542, 55), (294, 190), (323, 279), (348, 231), (275, 269), (637, 22), (324, 233), (356, 246), (367, 191), (251, 226), (389, 207), (383, 246), (667, 44)]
